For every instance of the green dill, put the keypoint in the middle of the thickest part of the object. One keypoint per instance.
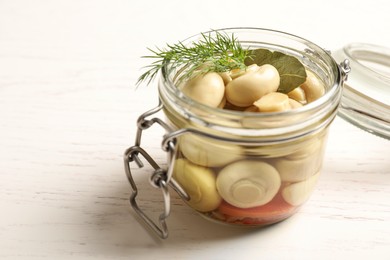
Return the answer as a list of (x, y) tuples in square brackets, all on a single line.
[(218, 52)]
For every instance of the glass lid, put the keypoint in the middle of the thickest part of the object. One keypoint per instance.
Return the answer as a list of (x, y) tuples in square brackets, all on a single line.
[(366, 97)]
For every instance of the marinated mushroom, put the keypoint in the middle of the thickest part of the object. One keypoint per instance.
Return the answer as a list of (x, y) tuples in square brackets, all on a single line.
[(235, 73), (208, 89), (252, 108), (247, 184), (297, 193), (225, 77), (199, 183), (223, 103), (298, 169), (273, 102), (297, 94), (207, 152), (308, 148), (313, 87), (252, 85), (294, 104)]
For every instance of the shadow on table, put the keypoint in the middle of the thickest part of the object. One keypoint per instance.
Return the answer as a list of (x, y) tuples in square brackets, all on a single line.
[(117, 230)]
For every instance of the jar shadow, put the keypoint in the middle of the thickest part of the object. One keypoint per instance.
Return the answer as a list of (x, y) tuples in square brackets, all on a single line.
[(114, 228)]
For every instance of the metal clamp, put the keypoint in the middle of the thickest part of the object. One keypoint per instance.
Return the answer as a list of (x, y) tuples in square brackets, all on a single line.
[(160, 177)]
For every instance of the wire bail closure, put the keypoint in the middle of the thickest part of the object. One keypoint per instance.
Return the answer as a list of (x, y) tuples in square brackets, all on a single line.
[(160, 177)]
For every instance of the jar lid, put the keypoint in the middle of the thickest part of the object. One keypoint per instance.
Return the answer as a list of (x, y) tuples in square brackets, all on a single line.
[(366, 97)]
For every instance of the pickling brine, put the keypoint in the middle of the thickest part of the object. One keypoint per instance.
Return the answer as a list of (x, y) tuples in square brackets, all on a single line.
[(250, 184)]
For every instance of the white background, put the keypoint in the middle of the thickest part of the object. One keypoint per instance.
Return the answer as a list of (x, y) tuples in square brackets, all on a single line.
[(68, 107)]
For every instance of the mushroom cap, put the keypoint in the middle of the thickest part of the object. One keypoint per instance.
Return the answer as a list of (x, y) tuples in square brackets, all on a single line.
[(252, 85), (247, 184), (208, 89), (199, 183)]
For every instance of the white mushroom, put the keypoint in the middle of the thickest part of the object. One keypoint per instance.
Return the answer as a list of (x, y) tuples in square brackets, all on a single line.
[(297, 94), (235, 73), (308, 148), (252, 109), (247, 184), (273, 102), (207, 152), (297, 193), (223, 103), (225, 77), (294, 104), (313, 87), (245, 89), (298, 169), (207, 89), (199, 183)]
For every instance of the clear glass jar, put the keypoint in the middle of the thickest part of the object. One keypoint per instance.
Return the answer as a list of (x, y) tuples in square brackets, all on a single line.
[(252, 168), (245, 168)]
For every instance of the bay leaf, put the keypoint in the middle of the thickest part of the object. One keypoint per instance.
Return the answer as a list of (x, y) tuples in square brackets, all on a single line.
[(291, 71)]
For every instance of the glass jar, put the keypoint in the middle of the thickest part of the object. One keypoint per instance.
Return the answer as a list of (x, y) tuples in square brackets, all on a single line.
[(244, 168)]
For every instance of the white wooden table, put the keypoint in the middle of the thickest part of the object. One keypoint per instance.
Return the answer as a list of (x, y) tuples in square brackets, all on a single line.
[(68, 108)]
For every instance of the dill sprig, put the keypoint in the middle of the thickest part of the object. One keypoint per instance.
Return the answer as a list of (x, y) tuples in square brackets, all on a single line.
[(218, 53)]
